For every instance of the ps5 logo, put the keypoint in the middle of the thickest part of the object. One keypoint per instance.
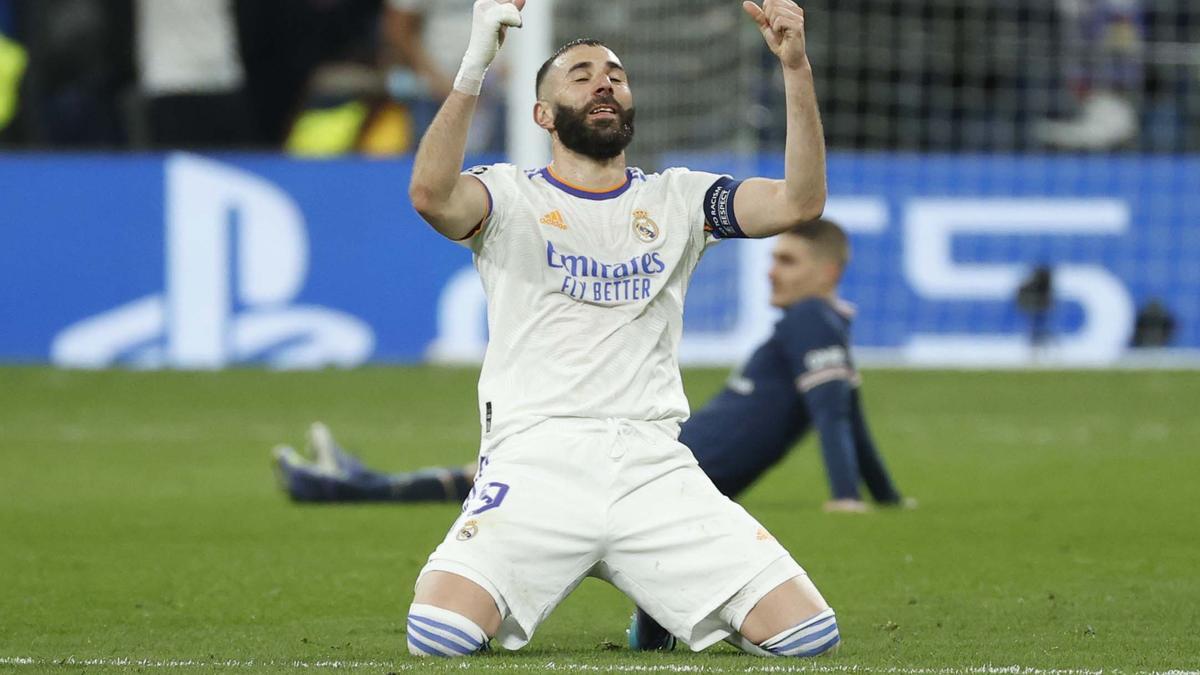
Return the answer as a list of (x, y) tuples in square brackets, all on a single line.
[(236, 257)]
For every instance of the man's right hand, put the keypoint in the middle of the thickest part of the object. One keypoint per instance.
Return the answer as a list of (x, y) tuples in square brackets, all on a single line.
[(489, 20)]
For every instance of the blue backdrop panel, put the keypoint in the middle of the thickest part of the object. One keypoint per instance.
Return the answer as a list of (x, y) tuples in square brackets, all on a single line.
[(1154, 255), (129, 259), (83, 235)]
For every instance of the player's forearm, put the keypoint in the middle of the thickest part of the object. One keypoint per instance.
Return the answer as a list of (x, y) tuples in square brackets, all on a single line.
[(841, 465), (440, 156), (804, 159), (829, 405)]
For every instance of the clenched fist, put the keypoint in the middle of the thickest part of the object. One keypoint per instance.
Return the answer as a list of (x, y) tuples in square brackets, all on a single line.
[(489, 20)]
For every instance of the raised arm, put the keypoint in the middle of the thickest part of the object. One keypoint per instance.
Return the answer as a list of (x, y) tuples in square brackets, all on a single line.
[(452, 203), (766, 206)]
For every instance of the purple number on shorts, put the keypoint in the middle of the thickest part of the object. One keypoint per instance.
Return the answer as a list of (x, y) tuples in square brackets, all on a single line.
[(485, 497)]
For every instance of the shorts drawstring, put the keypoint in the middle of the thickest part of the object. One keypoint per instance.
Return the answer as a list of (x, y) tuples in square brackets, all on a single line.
[(617, 430)]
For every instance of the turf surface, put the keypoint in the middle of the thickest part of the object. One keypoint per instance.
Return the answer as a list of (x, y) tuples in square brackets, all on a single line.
[(141, 528)]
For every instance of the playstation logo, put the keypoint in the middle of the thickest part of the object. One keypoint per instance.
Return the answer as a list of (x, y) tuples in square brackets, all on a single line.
[(236, 256)]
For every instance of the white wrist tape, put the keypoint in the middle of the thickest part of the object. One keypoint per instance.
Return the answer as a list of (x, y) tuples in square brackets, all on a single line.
[(488, 18)]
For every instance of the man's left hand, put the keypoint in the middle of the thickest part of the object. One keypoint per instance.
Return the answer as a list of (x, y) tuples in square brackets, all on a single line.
[(781, 23)]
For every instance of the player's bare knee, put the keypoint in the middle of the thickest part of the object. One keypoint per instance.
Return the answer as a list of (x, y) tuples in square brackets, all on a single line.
[(461, 595), (450, 616), (793, 619), (786, 606), (435, 631)]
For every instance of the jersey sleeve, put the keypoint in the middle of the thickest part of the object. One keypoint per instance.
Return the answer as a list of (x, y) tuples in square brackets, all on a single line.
[(709, 200), (818, 356), (817, 352), (720, 221), (497, 181)]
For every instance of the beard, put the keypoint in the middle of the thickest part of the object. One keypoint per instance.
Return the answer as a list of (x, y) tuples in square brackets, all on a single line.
[(601, 139)]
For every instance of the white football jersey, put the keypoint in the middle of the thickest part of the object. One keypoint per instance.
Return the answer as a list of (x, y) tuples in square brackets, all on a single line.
[(585, 293)]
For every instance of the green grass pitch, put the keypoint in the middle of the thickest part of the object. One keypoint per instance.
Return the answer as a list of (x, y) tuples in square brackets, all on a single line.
[(141, 528)]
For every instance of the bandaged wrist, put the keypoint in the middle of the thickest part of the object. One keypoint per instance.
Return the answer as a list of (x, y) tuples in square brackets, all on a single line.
[(488, 20), (470, 78)]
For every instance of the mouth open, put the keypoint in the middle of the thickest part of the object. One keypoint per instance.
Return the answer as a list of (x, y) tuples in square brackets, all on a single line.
[(603, 111)]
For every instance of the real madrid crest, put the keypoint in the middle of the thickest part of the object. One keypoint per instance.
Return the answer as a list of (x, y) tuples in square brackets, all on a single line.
[(645, 228), (468, 531)]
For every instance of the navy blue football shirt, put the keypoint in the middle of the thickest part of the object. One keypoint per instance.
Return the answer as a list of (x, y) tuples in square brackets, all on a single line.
[(803, 376)]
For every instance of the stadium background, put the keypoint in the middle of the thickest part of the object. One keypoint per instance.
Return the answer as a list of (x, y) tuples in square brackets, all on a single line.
[(931, 109), (140, 528)]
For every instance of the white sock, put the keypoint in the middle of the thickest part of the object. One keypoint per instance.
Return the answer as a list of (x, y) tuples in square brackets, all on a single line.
[(811, 638), (433, 631)]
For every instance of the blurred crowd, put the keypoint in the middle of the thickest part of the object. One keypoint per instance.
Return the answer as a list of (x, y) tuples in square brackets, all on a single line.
[(321, 77), (313, 76)]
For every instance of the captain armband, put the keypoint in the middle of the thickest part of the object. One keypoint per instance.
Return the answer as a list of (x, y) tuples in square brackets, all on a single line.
[(719, 218)]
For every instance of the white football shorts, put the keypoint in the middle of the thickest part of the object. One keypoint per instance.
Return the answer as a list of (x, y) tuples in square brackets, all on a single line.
[(618, 500)]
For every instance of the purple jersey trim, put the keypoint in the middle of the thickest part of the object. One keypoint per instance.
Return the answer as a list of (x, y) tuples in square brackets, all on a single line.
[(587, 194), (479, 227)]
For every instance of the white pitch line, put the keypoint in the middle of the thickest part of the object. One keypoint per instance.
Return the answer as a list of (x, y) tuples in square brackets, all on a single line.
[(554, 666)]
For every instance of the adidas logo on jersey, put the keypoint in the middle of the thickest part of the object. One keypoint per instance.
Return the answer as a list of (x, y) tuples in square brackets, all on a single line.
[(554, 219)]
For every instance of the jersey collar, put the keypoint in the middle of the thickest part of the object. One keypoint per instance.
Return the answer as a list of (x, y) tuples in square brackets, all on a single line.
[(584, 193)]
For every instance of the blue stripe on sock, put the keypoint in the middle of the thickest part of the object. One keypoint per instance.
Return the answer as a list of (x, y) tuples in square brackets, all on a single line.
[(428, 649), (820, 650), (446, 642), (811, 637), (443, 626)]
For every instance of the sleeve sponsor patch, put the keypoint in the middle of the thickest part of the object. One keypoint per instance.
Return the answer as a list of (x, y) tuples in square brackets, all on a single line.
[(719, 219), (826, 365), (826, 357)]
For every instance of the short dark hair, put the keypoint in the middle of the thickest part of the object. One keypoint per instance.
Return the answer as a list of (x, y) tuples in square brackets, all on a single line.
[(577, 42), (827, 238)]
